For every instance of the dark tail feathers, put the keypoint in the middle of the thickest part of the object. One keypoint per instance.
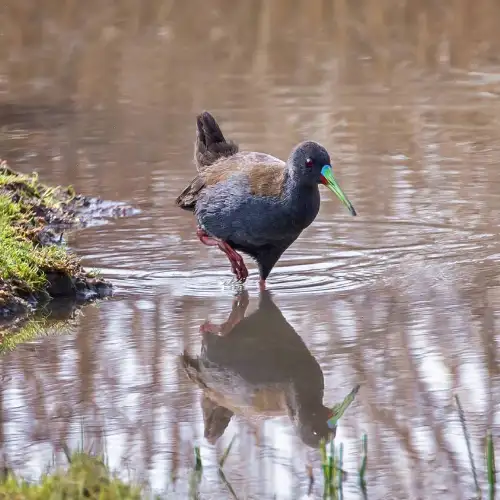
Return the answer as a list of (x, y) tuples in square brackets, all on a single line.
[(210, 143)]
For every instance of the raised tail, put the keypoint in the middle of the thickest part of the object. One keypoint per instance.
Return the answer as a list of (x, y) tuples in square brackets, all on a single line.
[(210, 143), (209, 147)]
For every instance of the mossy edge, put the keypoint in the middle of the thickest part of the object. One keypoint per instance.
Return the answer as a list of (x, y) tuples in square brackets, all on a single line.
[(35, 264)]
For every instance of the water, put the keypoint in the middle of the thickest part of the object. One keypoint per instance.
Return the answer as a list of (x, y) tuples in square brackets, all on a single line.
[(403, 299)]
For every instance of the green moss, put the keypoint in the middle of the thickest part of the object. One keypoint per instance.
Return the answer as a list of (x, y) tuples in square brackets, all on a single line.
[(86, 477), (22, 259), (29, 186), (30, 250)]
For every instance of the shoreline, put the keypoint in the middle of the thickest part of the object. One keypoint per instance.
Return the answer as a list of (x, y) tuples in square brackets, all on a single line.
[(36, 266)]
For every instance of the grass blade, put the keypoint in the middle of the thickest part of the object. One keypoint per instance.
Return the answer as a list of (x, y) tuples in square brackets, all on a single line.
[(490, 465), (340, 471), (226, 453), (198, 466), (467, 442), (227, 484), (310, 475), (364, 461)]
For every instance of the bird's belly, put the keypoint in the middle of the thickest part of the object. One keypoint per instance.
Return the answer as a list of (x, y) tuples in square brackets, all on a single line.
[(252, 224)]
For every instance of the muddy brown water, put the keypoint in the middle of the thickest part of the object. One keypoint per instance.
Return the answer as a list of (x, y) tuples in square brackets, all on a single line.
[(404, 299)]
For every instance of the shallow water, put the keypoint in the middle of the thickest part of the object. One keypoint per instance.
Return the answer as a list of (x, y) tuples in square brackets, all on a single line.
[(403, 299)]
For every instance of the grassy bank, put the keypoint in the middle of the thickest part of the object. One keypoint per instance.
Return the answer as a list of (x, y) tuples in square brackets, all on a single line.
[(35, 265)]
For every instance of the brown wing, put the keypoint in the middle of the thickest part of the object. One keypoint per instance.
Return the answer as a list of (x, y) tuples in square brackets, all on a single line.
[(187, 199), (266, 175)]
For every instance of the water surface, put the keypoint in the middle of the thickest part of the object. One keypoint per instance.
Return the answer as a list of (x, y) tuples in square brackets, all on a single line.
[(402, 299)]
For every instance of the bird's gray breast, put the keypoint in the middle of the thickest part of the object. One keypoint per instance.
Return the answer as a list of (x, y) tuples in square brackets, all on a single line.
[(229, 211), (303, 207)]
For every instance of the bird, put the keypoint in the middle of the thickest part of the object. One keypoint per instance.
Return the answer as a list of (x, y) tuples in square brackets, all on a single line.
[(252, 202), (258, 367)]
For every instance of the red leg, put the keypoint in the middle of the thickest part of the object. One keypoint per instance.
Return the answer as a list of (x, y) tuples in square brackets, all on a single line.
[(237, 264), (262, 285), (240, 304)]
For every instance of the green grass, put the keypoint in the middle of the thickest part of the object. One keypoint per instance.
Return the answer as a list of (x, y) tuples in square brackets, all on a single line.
[(332, 457), (28, 254), (86, 477), (489, 456), (334, 476), (332, 461), (89, 477), (31, 187), (22, 260), (490, 465)]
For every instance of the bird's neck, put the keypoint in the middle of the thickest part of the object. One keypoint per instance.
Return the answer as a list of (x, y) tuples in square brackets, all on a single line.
[(298, 187), (302, 199)]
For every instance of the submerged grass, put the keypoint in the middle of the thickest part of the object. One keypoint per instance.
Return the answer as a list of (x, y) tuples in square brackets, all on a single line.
[(489, 456), (196, 474), (490, 465), (333, 475), (89, 476), (332, 461)]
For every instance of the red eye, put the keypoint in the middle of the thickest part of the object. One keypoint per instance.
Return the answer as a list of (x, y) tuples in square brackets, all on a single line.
[(309, 163)]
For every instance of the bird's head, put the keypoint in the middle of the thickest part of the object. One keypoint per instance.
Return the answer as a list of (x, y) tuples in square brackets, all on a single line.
[(311, 164)]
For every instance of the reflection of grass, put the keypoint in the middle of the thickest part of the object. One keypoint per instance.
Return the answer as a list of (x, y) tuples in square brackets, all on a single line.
[(489, 456), (38, 326), (196, 474)]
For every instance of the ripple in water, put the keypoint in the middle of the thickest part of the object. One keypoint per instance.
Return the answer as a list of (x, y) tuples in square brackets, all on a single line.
[(137, 261)]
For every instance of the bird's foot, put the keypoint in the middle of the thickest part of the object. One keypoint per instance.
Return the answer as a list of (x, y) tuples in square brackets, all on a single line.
[(209, 327), (237, 264), (220, 330), (236, 260)]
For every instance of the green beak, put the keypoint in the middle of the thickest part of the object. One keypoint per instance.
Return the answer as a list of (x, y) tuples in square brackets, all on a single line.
[(329, 181)]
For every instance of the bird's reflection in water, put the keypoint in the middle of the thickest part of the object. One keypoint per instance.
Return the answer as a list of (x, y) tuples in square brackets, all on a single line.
[(258, 366)]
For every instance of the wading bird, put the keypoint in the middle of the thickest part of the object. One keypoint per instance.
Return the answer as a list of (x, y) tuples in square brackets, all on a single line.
[(253, 202)]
